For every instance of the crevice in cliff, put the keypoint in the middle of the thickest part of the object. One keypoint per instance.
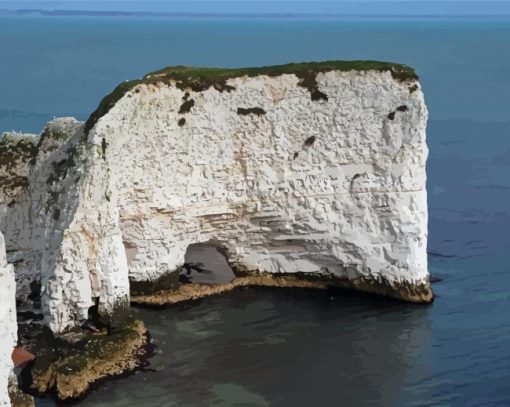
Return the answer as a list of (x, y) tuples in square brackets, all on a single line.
[(251, 110), (104, 144), (62, 167), (309, 142), (186, 106), (402, 109)]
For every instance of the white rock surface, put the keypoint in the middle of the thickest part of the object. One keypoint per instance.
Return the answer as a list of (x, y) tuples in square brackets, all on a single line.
[(17, 152), (8, 327), (333, 188)]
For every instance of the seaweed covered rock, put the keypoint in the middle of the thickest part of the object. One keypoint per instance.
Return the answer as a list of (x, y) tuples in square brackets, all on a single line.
[(68, 368)]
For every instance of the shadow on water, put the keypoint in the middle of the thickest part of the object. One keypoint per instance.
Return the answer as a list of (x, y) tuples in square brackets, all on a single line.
[(262, 346), (468, 187)]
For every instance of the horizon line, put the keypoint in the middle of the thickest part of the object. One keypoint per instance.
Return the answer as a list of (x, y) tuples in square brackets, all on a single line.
[(122, 13)]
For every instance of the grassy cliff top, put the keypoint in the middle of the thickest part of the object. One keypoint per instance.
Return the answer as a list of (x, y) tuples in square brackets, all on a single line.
[(188, 74), (198, 79)]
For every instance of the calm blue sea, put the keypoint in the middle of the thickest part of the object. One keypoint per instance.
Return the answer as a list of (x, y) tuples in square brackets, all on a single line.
[(278, 348)]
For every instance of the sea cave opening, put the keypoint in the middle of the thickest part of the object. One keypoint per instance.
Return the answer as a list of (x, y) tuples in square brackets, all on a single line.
[(205, 263)]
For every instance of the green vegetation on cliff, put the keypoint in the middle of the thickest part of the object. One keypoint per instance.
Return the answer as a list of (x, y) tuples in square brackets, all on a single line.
[(16, 149), (198, 79)]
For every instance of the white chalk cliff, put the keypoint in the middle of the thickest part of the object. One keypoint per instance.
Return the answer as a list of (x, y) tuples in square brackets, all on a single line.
[(8, 327), (315, 169)]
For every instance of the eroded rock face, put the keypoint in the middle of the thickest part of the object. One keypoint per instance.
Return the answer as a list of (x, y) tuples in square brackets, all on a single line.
[(17, 154), (321, 175), (8, 327), (67, 278)]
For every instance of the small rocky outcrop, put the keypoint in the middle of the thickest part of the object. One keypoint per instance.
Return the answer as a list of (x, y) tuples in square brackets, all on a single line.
[(67, 367)]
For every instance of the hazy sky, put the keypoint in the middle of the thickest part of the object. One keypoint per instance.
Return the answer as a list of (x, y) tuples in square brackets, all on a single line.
[(413, 7)]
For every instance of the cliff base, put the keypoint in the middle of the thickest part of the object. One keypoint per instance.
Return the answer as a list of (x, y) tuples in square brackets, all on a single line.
[(19, 398), (417, 293)]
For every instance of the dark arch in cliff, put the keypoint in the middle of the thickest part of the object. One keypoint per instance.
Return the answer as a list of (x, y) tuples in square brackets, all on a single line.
[(206, 263)]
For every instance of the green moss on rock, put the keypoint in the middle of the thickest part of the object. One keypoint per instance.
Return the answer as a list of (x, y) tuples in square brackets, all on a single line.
[(198, 79), (16, 181), (56, 135), (70, 368), (62, 167), (15, 149), (168, 281), (97, 348), (19, 398)]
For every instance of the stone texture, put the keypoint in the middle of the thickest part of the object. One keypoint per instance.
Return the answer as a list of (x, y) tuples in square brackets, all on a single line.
[(333, 187), (327, 187), (17, 153), (8, 327), (70, 374)]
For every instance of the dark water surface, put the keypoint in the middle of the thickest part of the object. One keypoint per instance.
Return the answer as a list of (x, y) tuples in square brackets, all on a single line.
[(259, 347)]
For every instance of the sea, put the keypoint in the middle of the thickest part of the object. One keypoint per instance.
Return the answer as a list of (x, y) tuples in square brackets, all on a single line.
[(282, 347)]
